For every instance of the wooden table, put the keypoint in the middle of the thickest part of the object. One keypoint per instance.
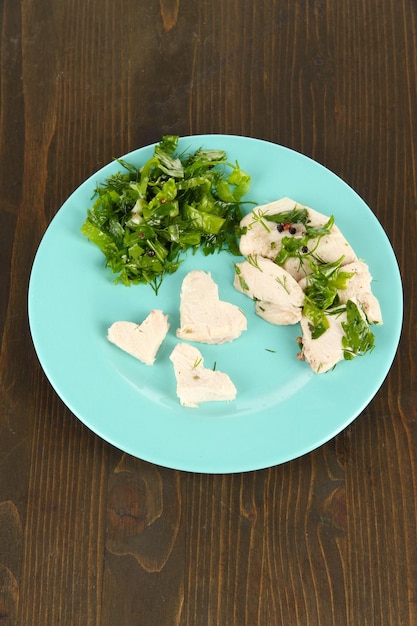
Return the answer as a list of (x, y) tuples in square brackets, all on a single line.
[(89, 535)]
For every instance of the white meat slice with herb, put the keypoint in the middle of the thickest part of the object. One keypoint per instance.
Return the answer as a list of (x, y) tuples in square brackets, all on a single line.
[(195, 383), (278, 297), (323, 353), (289, 232), (203, 316), (343, 283), (347, 335), (262, 237), (141, 340), (358, 287)]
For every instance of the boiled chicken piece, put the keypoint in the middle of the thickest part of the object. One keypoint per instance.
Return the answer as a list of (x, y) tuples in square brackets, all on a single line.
[(195, 383), (323, 353), (141, 340), (263, 238), (203, 316), (275, 314), (358, 287), (278, 297)]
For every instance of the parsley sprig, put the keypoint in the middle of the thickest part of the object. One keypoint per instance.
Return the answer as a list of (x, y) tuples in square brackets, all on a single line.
[(358, 338)]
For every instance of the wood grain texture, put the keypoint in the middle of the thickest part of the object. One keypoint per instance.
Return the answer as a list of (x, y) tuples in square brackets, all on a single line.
[(90, 536)]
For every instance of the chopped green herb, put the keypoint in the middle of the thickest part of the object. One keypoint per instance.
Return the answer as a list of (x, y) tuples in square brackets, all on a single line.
[(358, 338), (296, 246), (283, 283), (321, 293), (253, 260), (144, 218), (197, 363), (260, 217), (318, 322), (244, 285), (295, 216)]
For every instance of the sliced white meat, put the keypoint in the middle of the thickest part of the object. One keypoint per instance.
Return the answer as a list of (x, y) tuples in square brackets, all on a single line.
[(195, 383), (324, 352), (276, 314), (203, 316), (141, 340), (263, 238), (358, 287), (278, 297)]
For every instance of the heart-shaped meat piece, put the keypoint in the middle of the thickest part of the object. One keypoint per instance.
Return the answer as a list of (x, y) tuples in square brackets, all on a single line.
[(203, 316), (195, 383), (141, 340)]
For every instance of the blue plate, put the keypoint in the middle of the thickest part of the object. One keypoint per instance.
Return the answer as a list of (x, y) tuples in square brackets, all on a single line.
[(282, 409)]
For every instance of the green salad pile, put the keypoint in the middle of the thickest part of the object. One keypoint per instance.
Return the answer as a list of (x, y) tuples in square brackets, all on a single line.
[(144, 218)]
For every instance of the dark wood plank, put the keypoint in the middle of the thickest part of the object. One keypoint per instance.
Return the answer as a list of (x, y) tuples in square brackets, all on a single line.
[(90, 535)]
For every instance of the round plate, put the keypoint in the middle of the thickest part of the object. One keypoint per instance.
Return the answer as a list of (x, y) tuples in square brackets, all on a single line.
[(282, 409)]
